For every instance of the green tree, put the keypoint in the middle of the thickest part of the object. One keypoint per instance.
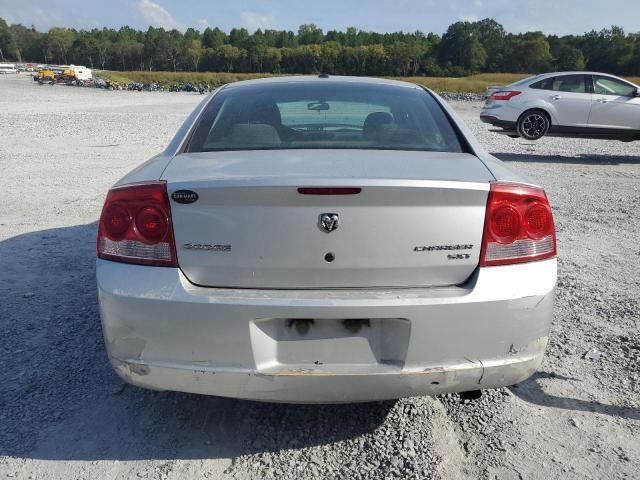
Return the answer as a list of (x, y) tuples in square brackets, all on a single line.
[(608, 50), (213, 38), (400, 56), (194, 53), (286, 40), (329, 58), (239, 37), (532, 53), (351, 37), (307, 58), (470, 46), (466, 47), (272, 59), (7, 45), (101, 45), (27, 42), (191, 34), (376, 59), (59, 42), (152, 44), (456, 44), (85, 49), (230, 56), (633, 66), (569, 58), (309, 34), (474, 55), (173, 48), (492, 38)]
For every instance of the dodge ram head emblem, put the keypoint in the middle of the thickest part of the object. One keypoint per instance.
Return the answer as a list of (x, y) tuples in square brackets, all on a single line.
[(328, 222)]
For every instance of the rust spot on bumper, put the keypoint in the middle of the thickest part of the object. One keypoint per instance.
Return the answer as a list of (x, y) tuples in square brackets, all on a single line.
[(138, 369), (128, 369)]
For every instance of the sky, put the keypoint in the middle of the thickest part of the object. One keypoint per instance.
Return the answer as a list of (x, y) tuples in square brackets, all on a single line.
[(559, 17)]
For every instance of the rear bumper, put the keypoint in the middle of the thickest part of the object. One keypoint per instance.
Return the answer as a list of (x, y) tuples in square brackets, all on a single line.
[(162, 332), (501, 114), (495, 121)]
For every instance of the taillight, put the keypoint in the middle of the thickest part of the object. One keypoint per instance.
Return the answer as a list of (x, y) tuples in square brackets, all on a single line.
[(505, 95), (518, 226), (135, 226)]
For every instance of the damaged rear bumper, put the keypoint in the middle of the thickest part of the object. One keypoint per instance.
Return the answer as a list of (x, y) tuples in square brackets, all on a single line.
[(325, 386), (162, 332)]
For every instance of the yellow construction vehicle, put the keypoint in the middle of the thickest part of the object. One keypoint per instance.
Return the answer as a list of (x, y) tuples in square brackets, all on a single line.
[(69, 74), (46, 76)]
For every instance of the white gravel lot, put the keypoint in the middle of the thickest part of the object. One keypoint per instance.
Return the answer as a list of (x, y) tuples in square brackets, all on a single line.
[(65, 414)]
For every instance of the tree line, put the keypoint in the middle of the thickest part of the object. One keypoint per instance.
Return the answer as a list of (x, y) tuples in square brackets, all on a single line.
[(465, 48)]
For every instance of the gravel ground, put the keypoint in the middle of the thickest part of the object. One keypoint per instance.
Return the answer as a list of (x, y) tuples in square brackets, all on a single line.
[(463, 97), (65, 414)]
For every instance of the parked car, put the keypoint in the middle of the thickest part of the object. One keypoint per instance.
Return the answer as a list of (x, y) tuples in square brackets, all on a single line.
[(326, 239), (572, 104), (8, 68)]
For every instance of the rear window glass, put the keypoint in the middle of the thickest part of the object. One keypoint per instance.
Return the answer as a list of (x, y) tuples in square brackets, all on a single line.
[(523, 81), (563, 83), (316, 114)]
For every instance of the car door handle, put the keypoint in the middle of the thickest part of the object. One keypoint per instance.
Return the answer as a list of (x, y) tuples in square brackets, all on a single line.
[(556, 97), (602, 100)]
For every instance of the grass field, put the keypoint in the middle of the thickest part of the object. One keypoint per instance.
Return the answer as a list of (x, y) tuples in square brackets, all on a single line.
[(474, 83), (167, 78)]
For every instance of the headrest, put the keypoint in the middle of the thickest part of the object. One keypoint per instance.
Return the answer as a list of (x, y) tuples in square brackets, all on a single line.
[(268, 113), (374, 121)]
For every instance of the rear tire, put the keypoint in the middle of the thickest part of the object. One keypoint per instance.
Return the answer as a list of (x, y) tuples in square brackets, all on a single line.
[(533, 124)]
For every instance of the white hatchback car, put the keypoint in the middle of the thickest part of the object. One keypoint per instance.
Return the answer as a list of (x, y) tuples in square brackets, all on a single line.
[(315, 239), (571, 104)]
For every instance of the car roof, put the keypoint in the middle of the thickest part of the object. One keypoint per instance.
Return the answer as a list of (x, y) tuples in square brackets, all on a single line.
[(321, 79), (576, 72)]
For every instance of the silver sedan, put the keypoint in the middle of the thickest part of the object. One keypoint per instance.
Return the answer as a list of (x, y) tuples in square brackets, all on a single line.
[(566, 104), (316, 239)]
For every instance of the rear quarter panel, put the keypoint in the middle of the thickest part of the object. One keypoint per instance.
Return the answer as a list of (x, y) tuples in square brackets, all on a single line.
[(537, 99)]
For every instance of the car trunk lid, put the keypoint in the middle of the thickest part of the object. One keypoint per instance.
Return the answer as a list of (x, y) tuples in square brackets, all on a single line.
[(417, 219)]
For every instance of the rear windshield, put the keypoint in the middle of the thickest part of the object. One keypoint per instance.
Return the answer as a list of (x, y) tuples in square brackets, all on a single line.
[(523, 81), (296, 115)]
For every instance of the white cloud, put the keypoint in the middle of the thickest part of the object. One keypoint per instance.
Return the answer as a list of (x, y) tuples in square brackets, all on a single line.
[(255, 20), (157, 16), (477, 3)]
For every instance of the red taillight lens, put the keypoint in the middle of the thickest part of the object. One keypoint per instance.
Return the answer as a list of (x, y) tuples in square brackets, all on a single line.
[(135, 226), (505, 224), (505, 95), (518, 226), (151, 224), (116, 221), (538, 220)]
